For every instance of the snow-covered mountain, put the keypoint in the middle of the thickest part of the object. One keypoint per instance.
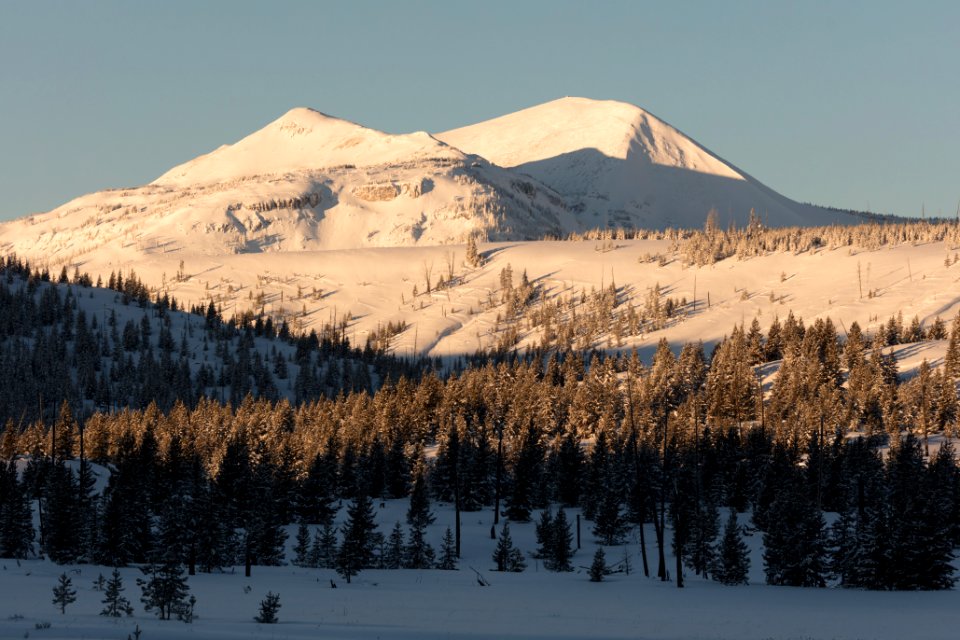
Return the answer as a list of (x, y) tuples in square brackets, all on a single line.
[(306, 181), (618, 165), (310, 181)]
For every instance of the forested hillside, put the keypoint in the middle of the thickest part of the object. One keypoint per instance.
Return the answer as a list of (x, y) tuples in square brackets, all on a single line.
[(835, 435)]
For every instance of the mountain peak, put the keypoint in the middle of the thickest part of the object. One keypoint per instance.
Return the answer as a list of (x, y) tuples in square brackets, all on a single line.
[(304, 139)]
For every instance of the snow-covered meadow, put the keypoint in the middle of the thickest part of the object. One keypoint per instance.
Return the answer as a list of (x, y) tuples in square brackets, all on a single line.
[(411, 604)]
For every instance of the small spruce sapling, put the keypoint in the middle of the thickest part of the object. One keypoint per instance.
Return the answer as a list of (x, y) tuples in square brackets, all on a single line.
[(506, 556), (269, 607), (599, 567), (64, 593), (115, 604), (448, 552)]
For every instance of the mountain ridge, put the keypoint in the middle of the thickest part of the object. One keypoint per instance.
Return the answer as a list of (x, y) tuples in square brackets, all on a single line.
[(311, 181)]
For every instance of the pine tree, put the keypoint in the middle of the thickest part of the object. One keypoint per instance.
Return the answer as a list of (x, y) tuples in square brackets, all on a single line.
[(16, 517), (323, 551), (64, 593), (269, 607), (545, 532), (448, 552), (61, 539), (951, 360), (794, 552), (562, 544), (301, 550), (418, 514), (115, 604), (598, 569), (359, 541), (732, 563), (165, 589), (610, 523), (506, 556), (526, 477), (473, 258), (393, 554), (418, 553), (315, 500)]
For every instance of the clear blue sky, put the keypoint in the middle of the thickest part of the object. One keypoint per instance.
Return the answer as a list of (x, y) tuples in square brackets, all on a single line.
[(846, 103)]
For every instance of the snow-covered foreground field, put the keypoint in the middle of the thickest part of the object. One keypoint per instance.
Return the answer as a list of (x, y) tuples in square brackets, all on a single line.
[(451, 604)]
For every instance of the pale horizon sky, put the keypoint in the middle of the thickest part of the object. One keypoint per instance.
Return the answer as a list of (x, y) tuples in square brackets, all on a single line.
[(849, 104)]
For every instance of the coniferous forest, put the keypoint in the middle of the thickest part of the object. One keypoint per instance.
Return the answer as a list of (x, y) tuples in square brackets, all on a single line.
[(213, 435)]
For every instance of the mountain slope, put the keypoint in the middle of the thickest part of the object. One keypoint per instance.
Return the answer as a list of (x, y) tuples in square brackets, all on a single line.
[(306, 181), (305, 139), (618, 165)]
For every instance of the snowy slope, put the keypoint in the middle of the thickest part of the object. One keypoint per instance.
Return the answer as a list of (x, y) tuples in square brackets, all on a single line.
[(305, 181), (376, 286), (619, 165)]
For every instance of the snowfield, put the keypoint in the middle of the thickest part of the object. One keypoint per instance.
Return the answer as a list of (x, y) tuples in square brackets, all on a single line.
[(412, 604)]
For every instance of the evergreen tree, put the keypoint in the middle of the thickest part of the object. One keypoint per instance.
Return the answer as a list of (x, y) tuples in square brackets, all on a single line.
[(794, 552), (359, 538), (418, 553), (936, 535), (418, 514), (64, 593), (545, 532), (393, 553), (61, 539), (598, 569), (165, 589), (562, 547), (269, 607), (506, 556), (448, 552), (115, 604), (323, 551), (610, 523), (526, 477), (732, 563), (472, 257), (16, 516), (315, 500), (301, 550)]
